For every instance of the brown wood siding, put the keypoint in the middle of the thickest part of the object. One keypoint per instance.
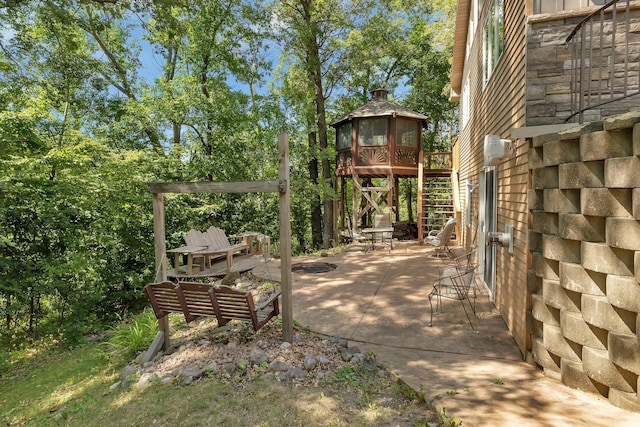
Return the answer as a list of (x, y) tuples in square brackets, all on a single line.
[(495, 109)]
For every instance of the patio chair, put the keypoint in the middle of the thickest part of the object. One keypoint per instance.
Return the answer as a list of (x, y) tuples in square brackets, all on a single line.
[(351, 235), (441, 239), (382, 221), (456, 282)]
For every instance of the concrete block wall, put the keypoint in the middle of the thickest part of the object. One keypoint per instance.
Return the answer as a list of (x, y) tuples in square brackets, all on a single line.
[(584, 242)]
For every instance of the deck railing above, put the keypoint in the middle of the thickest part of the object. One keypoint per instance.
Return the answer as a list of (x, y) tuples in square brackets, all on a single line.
[(605, 61), (438, 161)]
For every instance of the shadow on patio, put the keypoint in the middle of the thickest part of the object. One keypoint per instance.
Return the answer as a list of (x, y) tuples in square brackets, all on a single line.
[(379, 302)]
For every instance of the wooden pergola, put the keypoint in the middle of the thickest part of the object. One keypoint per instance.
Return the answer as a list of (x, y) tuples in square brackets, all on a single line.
[(280, 186)]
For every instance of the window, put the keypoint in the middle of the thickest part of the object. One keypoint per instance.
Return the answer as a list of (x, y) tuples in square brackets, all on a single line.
[(344, 136), (493, 38), (406, 133), (372, 132)]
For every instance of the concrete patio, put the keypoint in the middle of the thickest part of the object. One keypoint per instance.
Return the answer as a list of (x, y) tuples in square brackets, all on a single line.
[(378, 301)]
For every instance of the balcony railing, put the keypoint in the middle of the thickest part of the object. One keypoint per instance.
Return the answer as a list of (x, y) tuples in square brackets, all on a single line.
[(605, 62)]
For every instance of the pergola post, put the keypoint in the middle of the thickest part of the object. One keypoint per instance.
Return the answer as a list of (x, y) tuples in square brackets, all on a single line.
[(281, 186), (162, 338), (285, 238)]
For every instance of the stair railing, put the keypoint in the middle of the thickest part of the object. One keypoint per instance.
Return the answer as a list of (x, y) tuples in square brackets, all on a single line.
[(602, 71)]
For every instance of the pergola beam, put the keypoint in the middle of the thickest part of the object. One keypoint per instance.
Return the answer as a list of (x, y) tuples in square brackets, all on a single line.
[(275, 186)]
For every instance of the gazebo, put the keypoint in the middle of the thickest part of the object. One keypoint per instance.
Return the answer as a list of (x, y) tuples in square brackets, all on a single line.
[(381, 140)]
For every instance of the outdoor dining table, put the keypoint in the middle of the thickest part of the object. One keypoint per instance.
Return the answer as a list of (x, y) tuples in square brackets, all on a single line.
[(189, 252), (373, 232)]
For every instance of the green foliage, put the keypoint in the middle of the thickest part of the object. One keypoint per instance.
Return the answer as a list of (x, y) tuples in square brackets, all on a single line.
[(77, 247), (403, 388), (130, 336), (447, 421), (346, 377), (87, 119)]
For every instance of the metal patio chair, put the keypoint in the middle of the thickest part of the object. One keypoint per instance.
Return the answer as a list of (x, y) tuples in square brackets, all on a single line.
[(456, 282)]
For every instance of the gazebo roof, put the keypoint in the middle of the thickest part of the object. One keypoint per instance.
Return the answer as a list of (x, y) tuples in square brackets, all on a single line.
[(380, 106)]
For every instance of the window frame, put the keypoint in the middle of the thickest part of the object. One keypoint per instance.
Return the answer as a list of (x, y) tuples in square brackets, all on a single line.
[(402, 128), (373, 135), (492, 39), (344, 129)]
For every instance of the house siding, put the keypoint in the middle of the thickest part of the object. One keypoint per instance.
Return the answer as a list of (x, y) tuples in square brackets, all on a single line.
[(494, 110), (569, 292)]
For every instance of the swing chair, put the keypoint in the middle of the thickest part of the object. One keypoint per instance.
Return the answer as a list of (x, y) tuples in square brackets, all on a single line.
[(280, 186)]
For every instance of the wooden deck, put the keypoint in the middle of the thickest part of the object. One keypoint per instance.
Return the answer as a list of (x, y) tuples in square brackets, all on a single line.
[(241, 263)]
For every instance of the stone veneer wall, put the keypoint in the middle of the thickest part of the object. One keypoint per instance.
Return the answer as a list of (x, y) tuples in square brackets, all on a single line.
[(549, 67), (584, 240)]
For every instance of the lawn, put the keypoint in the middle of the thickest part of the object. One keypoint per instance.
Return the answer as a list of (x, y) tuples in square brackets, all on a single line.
[(77, 388)]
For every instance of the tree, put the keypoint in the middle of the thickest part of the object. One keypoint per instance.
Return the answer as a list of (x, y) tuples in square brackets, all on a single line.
[(308, 28), (83, 128)]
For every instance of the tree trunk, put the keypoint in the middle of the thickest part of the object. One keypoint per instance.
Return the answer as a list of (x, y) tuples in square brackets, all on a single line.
[(314, 72), (316, 211)]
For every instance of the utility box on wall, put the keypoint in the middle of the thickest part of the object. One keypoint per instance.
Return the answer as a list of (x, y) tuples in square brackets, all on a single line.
[(496, 149)]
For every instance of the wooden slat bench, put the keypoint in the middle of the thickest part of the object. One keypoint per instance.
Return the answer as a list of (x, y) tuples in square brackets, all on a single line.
[(235, 304), (196, 299)]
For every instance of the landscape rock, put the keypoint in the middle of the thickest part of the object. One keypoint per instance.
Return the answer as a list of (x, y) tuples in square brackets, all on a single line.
[(341, 342), (278, 365), (358, 358), (285, 345), (194, 372), (310, 362), (283, 377), (296, 373), (138, 360), (128, 371), (369, 364), (257, 357), (144, 381), (230, 278)]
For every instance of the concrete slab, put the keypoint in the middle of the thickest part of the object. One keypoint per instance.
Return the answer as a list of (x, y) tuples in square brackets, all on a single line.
[(379, 301)]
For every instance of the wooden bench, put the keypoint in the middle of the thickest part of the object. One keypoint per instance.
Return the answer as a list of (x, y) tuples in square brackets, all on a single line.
[(214, 243), (196, 299), (237, 305)]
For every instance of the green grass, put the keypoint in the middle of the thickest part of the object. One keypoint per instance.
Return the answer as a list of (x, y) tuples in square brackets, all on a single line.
[(37, 389), (72, 388)]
